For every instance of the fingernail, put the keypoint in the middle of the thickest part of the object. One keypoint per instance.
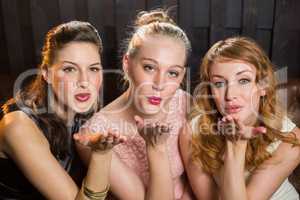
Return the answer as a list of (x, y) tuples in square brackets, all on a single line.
[(263, 130), (260, 130)]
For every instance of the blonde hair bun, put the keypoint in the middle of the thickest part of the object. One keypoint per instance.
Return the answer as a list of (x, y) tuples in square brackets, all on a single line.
[(148, 17)]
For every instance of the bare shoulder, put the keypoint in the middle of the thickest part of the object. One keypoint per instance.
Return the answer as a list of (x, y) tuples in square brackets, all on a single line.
[(16, 127), (16, 120), (116, 104), (116, 108)]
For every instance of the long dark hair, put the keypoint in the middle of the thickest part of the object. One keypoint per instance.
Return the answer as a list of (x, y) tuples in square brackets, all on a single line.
[(33, 99)]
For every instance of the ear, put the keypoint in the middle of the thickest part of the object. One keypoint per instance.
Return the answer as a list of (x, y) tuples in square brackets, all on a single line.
[(185, 69), (125, 62), (46, 75), (262, 92), (262, 86)]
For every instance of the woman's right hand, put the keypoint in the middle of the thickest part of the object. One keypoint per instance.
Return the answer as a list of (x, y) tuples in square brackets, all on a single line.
[(234, 129), (100, 141), (154, 134)]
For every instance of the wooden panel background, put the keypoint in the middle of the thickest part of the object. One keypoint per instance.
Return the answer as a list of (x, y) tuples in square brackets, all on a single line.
[(23, 24)]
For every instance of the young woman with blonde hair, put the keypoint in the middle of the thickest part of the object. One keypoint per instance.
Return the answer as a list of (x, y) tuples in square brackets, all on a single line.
[(150, 112)]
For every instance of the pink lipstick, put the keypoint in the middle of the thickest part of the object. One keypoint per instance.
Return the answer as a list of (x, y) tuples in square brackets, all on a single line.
[(82, 97), (233, 109)]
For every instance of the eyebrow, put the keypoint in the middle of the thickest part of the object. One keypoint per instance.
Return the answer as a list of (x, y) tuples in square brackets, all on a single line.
[(70, 62), (239, 73), (243, 71), (158, 63)]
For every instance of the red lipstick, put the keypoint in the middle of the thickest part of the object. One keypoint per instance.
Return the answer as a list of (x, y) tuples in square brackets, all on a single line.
[(154, 100)]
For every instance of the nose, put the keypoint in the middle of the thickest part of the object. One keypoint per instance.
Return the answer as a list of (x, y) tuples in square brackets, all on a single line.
[(231, 92), (158, 83), (83, 81)]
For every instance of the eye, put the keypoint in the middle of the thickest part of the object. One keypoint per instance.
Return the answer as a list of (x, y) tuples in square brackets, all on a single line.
[(69, 69), (173, 74), (148, 68), (219, 84), (95, 69), (244, 81)]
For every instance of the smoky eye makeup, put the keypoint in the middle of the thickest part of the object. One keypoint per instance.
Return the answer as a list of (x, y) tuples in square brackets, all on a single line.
[(148, 67), (173, 73), (95, 69), (68, 68)]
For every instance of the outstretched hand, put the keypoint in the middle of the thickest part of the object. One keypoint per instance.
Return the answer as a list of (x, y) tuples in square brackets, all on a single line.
[(153, 133), (234, 129), (100, 141)]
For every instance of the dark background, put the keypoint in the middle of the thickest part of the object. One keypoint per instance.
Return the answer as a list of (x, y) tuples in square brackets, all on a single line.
[(274, 24)]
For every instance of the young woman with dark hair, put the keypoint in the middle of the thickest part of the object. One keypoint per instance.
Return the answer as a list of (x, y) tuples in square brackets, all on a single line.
[(37, 155)]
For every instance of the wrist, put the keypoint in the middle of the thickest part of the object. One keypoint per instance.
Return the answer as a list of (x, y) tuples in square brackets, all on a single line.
[(161, 148), (157, 153), (91, 194), (101, 155)]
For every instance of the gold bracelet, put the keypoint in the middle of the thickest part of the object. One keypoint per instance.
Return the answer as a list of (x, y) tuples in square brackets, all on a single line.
[(94, 195)]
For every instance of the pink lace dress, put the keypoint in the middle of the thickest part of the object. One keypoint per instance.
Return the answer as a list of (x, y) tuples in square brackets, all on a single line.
[(133, 152)]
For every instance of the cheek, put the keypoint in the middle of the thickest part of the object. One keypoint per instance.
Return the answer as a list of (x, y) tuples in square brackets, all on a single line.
[(63, 85), (254, 99), (97, 82), (141, 79), (171, 87), (218, 96), (142, 83)]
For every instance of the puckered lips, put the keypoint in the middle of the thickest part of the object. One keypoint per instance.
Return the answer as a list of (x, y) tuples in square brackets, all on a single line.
[(83, 97), (232, 109), (154, 100)]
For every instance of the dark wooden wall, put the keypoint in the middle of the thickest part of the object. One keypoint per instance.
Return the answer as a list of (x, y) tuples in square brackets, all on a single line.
[(275, 24)]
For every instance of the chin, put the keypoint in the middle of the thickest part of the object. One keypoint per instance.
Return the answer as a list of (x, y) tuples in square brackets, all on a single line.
[(82, 110), (82, 107), (150, 109)]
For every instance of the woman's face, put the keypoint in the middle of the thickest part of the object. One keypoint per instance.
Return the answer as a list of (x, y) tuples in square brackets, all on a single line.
[(76, 76), (155, 72), (234, 89)]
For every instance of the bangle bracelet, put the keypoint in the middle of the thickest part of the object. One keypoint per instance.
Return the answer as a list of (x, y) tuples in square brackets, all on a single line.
[(92, 195)]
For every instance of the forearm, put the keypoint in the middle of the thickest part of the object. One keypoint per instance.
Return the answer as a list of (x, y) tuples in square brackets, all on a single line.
[(233, 186), (161, 184), (97, 177)]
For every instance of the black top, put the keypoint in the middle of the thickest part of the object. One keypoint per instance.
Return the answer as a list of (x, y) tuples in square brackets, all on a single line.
[(15, 186)]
